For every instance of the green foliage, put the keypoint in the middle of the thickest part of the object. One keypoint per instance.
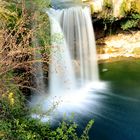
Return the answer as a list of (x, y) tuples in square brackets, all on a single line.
[(86, 130), (16, 123), (129, 15), (135, 16), (128, 24), (43, 30), (41, 4), (7, 14), (67, 131), (131, 21), (23, 129)]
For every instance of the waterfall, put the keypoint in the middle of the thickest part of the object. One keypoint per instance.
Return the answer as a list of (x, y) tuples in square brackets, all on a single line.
[(77, 27), (74, 55), (62, 77), (73, 69)]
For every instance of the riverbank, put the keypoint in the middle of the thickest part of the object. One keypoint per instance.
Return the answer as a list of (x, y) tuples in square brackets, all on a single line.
[(119, 46)]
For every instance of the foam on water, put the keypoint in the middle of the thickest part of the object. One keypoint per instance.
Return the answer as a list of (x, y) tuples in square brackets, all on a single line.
[(86, 100)]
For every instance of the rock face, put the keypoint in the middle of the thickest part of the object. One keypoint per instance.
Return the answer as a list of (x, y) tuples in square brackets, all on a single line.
[(120, 45), (118, 8)]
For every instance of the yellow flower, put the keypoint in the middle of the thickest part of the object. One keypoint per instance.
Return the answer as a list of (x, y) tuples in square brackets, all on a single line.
[(12, 101), (10, 95)]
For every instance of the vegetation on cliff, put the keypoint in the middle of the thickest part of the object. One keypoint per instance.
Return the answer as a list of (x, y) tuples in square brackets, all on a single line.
[(126, 13)]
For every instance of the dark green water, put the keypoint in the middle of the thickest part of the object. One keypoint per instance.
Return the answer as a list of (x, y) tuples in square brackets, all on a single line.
[(119, 115)]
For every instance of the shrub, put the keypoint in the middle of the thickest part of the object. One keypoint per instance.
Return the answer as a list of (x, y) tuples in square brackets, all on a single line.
[(128, 24), (16, 123), (131, 21), (22, 22)]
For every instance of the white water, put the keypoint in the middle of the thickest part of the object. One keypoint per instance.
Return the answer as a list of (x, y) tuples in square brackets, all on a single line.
[(73, 68), (77, 26), (62, 77)]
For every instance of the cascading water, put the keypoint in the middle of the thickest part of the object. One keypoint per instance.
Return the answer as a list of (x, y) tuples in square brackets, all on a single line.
[(62, 77), (77, 27), (73, 66)]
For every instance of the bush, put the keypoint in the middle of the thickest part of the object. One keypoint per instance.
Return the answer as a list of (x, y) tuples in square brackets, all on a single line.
[(131, 21), (22, 22), (16, 123)]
